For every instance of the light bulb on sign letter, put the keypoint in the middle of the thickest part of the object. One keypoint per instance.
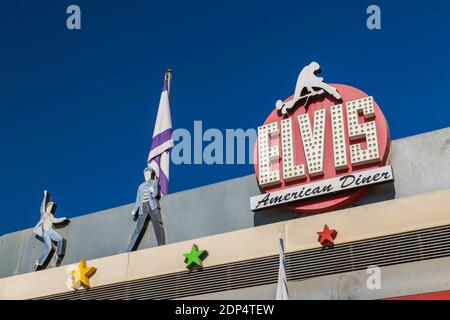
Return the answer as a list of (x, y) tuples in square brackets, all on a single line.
[(268, 154), (339, 141), (367, 130), (290, 170), (313, 140)]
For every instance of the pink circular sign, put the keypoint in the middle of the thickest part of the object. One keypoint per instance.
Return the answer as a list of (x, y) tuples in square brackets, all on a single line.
[(340, 199)]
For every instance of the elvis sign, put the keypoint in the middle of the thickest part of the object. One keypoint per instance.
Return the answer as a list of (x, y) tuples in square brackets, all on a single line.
[(321, 148)]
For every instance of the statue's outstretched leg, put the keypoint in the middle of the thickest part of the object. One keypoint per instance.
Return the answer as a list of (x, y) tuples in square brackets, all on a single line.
[(60, 245), (139, 231), (48, 248), (158, 227)]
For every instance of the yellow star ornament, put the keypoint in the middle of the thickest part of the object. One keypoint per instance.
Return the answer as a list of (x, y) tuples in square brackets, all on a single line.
[(80, 275)]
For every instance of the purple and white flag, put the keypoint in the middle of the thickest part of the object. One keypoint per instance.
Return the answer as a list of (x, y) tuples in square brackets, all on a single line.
[(162, 142)]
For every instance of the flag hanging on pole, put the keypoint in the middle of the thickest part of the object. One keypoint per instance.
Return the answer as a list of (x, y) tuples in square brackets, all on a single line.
[(162, 142), (282, 287)]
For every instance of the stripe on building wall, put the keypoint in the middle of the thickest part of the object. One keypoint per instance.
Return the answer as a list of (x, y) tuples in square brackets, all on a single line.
[(389, 250)]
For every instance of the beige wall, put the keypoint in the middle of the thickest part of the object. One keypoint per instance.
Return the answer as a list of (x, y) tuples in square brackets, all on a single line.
[(390, 217)]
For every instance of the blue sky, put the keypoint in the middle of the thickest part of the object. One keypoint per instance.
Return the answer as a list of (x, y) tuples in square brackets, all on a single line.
[(78, 107)]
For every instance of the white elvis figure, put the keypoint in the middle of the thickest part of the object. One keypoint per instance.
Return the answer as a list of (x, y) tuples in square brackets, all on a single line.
[(44, 229), (310, 85)]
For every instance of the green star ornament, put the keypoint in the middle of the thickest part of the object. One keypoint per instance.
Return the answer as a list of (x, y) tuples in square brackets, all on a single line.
[(194, 257)]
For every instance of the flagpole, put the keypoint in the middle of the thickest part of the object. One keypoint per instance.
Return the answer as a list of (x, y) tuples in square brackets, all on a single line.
[(282, 287), (168, 77)]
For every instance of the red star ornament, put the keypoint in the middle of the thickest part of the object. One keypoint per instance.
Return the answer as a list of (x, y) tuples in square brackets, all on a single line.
[(327, 236)]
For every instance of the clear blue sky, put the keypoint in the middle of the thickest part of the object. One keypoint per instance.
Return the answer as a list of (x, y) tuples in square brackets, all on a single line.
[(78, 107)]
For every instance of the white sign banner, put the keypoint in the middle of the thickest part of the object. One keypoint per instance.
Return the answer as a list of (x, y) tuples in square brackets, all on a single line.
[(333, 185)]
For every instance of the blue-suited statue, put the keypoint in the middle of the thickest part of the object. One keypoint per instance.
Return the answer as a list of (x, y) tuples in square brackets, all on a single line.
[(44, 229), (147, 207)]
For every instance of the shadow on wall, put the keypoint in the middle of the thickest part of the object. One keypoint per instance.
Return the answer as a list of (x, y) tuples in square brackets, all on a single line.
[(273, 215)]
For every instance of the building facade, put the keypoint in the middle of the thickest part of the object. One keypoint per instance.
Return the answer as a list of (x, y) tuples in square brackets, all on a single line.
[(400, 227)]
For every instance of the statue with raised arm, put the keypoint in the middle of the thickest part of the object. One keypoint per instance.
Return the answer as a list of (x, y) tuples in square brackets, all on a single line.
[(147, 207), (44, 229)]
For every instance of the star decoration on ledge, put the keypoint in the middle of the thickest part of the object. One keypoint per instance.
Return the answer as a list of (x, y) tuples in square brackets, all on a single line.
[(194, 258), (81, 274), (327, 236)]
